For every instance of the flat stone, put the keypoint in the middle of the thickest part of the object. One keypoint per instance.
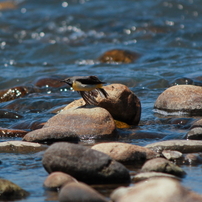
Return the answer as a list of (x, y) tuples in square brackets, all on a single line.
[(183, 98), (124, 152), (21, 147), (84, 164), (73, 192), (147, 175), (184, 146)]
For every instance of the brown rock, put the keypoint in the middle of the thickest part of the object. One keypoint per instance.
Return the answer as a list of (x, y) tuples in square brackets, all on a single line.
[(21, 147), (57, 179), (184, 146), (75, 192), (84, 164), (122, 104), (7, 5), (5, 132), (13, 93), (181, 98), (52, 81), (156, 189), (51, 134), (10, 191), (162, 165), (121, 56), (74, 124), (124, 152)]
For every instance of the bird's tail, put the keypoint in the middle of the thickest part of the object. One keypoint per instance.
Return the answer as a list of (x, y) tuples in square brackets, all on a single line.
[(102, 92)]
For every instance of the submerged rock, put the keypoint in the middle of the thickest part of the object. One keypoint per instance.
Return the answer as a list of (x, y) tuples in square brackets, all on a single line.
[(162, 165), (13, 93), (84, 164), (76, 124), (125, 153), (120, 56), (10, 191), (57, 179), (184, 146), (155, 189), (51, 81), (181, 98), (121, 103), (6, 132), (75, 192)]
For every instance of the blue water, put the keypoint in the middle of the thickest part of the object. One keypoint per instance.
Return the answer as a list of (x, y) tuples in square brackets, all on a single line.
[(53, 37)]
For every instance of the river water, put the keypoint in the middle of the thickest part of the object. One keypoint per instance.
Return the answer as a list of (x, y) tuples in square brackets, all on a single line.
[(52, 37)]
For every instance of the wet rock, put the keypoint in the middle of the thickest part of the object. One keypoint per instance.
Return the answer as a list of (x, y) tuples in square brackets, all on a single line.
[(57, 179), (197, 124), (184, 146), (9, 114), (75, 192), (84, 164), (11, 191), (147, 175), (193, 159), (20, 147), (125, 153), (13, 93), (120, 56), (194, 134), (181, 98), (5, 132), (156, 189), (52, 81), (28, 124), (74, 124), (122, 104), (50, 135), (171, 155), (162, 165)]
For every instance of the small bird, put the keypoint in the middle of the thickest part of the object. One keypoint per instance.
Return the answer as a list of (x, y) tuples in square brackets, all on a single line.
[(88, 87)]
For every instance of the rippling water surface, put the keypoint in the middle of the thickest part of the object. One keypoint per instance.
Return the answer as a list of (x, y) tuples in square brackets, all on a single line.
[(65, 38)]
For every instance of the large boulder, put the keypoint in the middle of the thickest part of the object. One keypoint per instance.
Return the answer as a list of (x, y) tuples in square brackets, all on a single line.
[(75, 124), (181, 98), (121, 103), (84, 164)]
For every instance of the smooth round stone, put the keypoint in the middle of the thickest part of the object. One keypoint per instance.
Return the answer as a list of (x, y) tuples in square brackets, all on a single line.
[(181, 98)]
